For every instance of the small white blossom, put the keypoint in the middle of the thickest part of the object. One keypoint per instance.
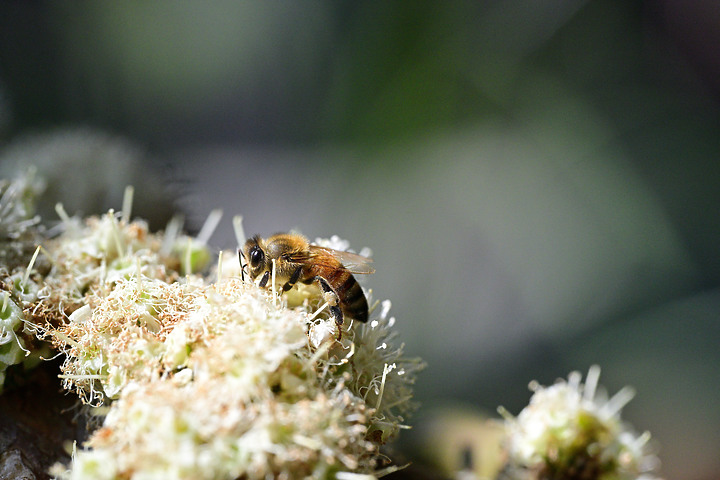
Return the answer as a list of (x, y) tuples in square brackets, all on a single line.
[(334, 242), (570, 431)]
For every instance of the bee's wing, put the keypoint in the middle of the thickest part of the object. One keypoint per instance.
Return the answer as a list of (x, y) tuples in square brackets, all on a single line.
[(352, 262)]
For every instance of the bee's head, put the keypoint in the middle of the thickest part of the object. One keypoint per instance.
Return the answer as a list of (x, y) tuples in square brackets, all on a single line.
[(255, 256)]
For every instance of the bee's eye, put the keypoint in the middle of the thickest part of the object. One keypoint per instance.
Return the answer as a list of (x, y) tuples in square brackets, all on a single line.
[(256, 256)]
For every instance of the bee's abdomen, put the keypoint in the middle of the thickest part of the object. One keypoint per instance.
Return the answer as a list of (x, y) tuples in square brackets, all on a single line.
[(352, 298), (350, 295)]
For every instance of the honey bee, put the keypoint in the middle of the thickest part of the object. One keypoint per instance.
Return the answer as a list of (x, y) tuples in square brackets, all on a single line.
[(298, 261)]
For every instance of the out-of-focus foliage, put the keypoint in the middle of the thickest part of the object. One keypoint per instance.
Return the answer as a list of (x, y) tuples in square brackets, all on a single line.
[(87, 170)]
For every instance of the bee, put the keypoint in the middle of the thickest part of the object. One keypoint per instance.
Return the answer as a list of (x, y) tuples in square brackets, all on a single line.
[(298, 261)]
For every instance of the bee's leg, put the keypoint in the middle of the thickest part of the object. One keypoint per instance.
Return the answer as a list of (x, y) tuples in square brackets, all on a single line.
[(331, 297), (242, 265), (293, 279)]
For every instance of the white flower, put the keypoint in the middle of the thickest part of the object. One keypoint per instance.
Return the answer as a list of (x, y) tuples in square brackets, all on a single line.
[(569, 431)]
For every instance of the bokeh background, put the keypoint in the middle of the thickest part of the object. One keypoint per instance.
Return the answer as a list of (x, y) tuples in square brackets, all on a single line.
[(539, 181)]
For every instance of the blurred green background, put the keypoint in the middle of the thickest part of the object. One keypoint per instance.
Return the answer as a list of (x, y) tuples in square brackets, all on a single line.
[(539, 181)]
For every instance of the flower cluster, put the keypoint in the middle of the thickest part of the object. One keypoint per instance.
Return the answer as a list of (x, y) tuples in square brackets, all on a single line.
[(571, 431), (231, 389), (200, 373), (221, 380)]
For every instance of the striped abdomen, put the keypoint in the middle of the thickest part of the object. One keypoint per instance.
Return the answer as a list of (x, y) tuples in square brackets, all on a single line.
[(348, 291)]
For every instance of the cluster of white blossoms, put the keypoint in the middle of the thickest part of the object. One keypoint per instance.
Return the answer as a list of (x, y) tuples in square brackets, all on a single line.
[(226, 387), (202, 374), (571, 430), (221, 380)]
